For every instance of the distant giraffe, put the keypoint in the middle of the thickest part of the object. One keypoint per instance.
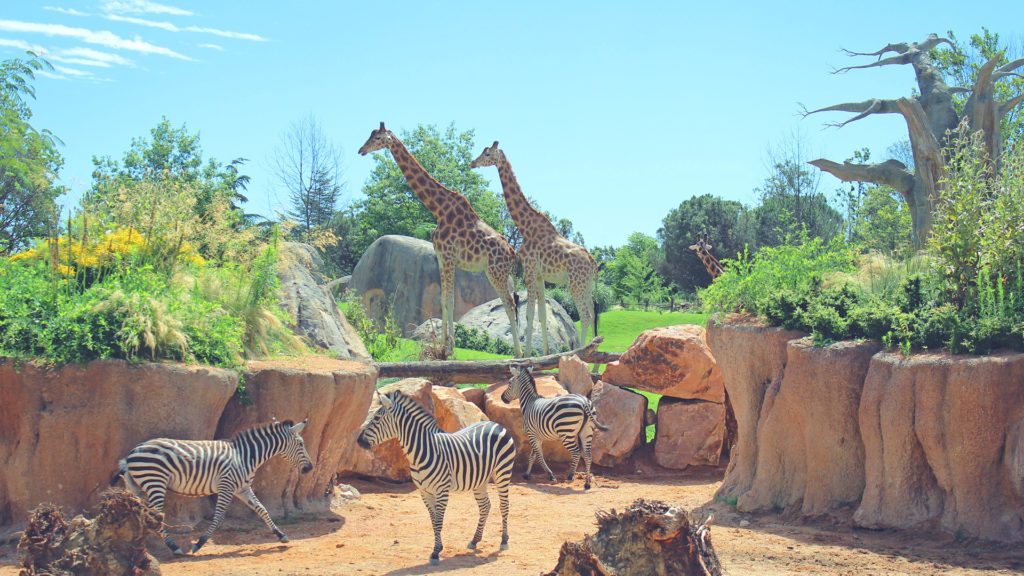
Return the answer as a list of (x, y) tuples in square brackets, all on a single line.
[(703, 250), (461, 240), (545, 254)]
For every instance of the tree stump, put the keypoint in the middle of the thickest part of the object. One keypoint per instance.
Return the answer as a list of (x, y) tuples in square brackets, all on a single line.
[(649, 538), (113, 543)]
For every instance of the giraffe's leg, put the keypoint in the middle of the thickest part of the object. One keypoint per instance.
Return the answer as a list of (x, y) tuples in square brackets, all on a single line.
[(500, 280), (582, 295), (531, 306), (484, 503), (155, 490), (572, 444), (254, 504), (587, 439), (447, 303), (224, 497), (436, 504), (542, 310)]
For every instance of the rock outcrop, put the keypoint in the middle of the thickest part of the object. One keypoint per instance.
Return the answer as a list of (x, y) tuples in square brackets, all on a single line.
[(475, 395), (333, 394), (574, 375), (399, 275), (622, 411), (751, 356), (689, 433), (943, 442), (511, 417), (63, 430), (311, 305), (674, 361), (453, 411), (810, 454), (386, 460), (490, 317)]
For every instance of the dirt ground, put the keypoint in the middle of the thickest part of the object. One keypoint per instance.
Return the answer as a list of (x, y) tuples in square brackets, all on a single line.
[(387, 532)]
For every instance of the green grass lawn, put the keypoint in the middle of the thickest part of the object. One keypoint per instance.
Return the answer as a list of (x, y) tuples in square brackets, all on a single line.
[(619, 328)]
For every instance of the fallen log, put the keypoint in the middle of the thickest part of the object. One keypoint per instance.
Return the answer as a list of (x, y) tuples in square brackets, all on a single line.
[(448, 372), (649, 538)]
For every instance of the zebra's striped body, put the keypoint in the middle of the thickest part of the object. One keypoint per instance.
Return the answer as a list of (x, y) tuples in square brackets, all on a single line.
[(206, 467), (441, 463), (569, 418)]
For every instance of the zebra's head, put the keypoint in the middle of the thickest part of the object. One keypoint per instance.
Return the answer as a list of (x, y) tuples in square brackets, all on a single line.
[(294, 448), (383, 425), (522, 377)]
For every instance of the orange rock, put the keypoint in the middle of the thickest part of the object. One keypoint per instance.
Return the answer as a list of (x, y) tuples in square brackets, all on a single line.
[(622, 411), (333, 394), (475, 395), (453, 411), (511, 417), (674, 361), (689, 433), (386, 460), (574, 374)]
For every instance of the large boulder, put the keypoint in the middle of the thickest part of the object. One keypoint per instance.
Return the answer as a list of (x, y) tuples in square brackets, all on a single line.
[(398, 275), (510, 416), (333, 394), (386, 460), (453, 411), (674, 361), (622, 411), (490, 318), (311, 305), (943, 442), (689, 433), (475, 395), (574, 374), (751, 356), (63, 430)]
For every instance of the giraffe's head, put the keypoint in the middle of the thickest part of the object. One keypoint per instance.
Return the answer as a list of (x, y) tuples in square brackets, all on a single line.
[(489, 157), (521, 380), (379, 139), (702, 243), (295, 447)]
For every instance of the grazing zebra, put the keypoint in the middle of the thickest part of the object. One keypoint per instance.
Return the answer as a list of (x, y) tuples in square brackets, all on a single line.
[(570, 418), (441, 462), (206, 467)]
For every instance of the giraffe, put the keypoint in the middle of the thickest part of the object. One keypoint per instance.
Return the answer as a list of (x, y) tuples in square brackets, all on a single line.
[(703, 250), (461, 240), (545, 254)]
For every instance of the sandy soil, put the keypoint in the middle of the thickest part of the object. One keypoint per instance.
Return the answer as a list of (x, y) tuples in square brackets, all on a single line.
[(387, 532)]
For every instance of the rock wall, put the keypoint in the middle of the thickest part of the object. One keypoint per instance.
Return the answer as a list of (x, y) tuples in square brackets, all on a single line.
[(63, 430), (926, 440)]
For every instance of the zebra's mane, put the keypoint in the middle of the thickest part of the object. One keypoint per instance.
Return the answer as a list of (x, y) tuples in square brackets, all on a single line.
[(269, 425), (526, 377), (411, 406)]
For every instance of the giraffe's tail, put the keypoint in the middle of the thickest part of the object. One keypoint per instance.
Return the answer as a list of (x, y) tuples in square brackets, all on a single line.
[(515, 297)]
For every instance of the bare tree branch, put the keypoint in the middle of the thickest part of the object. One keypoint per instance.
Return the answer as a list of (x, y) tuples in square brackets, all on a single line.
[(1010, 104), (900, 47), (1011, 65), (866, 108), (905, 58), (892, 173)]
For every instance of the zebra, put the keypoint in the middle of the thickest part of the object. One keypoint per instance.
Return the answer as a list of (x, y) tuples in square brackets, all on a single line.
[(570, 418), (206, 467), (440, 462)]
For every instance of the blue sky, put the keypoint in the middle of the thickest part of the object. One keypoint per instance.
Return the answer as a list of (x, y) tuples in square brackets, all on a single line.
[(611, 113)]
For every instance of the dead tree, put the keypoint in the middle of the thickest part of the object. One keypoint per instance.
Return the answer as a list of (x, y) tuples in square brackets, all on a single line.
[(647, 539), (110, 544), (929, 117)]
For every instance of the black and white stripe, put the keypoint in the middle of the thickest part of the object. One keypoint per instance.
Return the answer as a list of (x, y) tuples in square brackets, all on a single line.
[(441, 463), (569, 418), (206, 467)]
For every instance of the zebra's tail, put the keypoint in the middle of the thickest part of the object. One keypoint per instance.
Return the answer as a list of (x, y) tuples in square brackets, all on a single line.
[(592, 412), (122, 467)]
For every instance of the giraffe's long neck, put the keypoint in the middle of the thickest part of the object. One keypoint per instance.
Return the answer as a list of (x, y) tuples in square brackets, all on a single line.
[(430, 192), (710, 262), (527, 218)]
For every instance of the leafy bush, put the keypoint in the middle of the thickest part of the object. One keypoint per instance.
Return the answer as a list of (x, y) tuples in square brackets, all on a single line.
[(476, 339), (382, 339)]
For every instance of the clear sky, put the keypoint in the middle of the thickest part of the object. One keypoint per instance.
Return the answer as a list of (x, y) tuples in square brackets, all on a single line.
[(611, 113)]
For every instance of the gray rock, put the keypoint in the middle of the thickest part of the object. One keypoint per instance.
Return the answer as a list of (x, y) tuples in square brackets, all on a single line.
[(490, 317), (399, 275), (311, 306), (429, 331)]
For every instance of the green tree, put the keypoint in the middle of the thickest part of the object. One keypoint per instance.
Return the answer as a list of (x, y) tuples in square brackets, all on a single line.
[(390, 206), (722, 220), (882, 222), (633, 274), (791, 202), (29, 160)]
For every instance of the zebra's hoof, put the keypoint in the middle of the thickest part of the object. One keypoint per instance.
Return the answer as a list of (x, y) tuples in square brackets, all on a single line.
[(526, 476), (568, 478), (586, 486), (178, 552), (472, 545), (283, 539), (434, 560), (552, 478), (504, 545)]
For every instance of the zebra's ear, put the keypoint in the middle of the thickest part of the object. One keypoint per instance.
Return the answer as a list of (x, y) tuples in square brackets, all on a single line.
[(385, 402), (298, 427), (513, 369)]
